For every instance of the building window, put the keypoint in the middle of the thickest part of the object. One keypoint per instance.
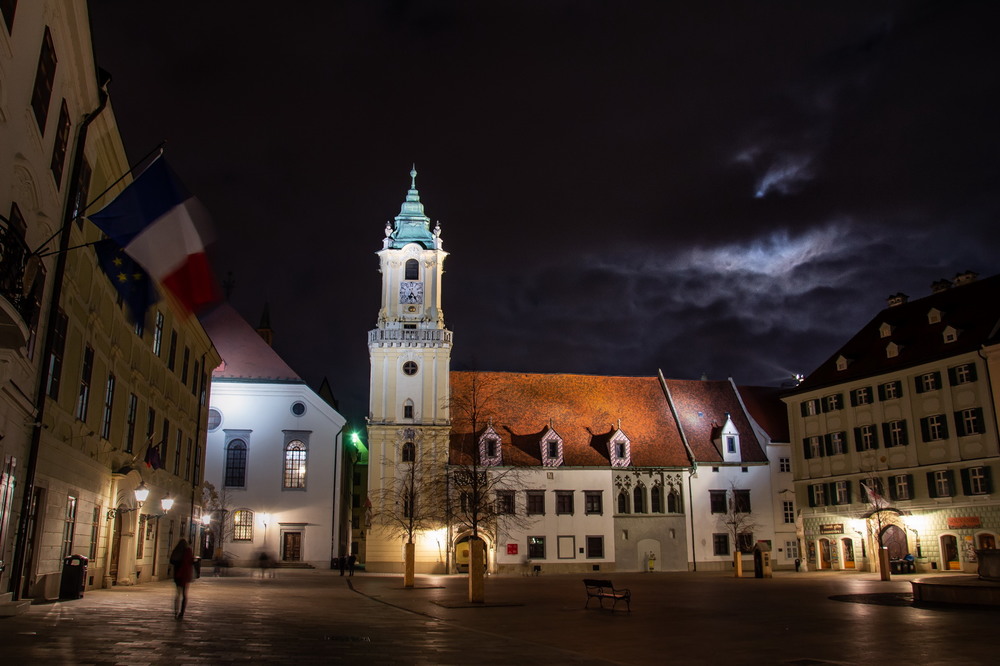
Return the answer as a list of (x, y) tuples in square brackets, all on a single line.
[(890, 390), (900, 487), (410, 368), (187, 461), (564, 502), (236, 464), (741, 501), (185, 362), (243, 525), (61, 142), (977, 481), (69, 526), (842, 492), (505, 502), (865, 438), (962, 374), (788, 511), (717, 501), (140, 537), (491, 448), (131, 414), (109, 402), (172, 351), (817, 494), (871, 490), (639, 499), (595, 547), (744, 541), (179, 440), (86, 375), (158, 334), (833, 403), (836, 444), (812, 447), (592, 502), (536, 547), (408, 409), (808, 408), (536, 502), (673, 501), (95, 533), (409, 452), (553, 449), (784, 464), (861, 396), (791, 550), (294, 476), (41, 94), (720, 544), (934, 428), (623, 502), (929, 381), (969, 421), (939, 483), (411, 270), (656, 499), (730, 444), (895, 433)]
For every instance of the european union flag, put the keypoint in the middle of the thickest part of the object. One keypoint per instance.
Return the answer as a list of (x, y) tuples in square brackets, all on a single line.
[(129, 279)]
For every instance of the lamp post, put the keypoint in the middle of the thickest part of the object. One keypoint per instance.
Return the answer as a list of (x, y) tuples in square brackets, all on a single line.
[(265, 518), (141, 493), (166, 504)]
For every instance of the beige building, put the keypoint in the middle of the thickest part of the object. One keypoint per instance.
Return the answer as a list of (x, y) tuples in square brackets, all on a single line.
[(895, 436), (82, 388)]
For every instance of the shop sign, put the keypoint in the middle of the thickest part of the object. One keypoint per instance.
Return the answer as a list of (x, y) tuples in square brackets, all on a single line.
[(964, 522), (832, 528)]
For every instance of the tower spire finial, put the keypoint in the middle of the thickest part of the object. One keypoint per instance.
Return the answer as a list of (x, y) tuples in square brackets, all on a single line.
[(413, 177)]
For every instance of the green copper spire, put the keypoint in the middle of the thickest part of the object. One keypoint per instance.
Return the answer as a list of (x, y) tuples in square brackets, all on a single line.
[(412, 226)]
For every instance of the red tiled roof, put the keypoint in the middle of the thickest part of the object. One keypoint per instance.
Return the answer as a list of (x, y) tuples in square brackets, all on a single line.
[(584, 410), (244, 354), (765, 406), (701, 409), (972, 308)]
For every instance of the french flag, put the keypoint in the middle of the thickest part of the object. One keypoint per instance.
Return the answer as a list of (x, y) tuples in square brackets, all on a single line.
[(165, 229)]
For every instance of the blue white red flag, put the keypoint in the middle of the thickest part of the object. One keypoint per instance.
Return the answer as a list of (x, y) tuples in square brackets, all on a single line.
[(165, 229)]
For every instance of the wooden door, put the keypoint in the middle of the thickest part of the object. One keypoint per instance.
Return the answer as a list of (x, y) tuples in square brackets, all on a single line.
[(291, 546)]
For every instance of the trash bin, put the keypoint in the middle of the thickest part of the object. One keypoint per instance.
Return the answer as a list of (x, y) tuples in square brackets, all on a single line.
[(74, 577), (197, 567)]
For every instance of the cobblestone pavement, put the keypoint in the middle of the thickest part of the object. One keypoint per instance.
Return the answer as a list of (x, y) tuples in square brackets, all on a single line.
[(313, 617)]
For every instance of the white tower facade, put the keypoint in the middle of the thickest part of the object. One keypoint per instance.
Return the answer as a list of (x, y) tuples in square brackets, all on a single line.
[(410, 355)]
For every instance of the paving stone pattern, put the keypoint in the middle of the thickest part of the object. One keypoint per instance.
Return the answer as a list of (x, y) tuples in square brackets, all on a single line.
[(318, 617)]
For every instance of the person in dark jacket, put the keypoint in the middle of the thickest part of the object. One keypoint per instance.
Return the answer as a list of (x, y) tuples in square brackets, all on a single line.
[(182, 560), (350, 563)]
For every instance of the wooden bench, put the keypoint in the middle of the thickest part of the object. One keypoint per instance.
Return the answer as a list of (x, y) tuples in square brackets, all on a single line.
[(603, 589)]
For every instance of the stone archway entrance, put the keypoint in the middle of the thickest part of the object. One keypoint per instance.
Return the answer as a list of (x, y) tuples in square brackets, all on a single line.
[(949, 553), (847, 553), (823, 554), (894, 541)]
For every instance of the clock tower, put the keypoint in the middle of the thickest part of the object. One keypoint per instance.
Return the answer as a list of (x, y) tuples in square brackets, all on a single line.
[(410, 354)]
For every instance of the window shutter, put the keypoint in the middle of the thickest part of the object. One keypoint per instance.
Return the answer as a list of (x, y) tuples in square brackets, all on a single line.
[(849, 496), (950, 474), (828, 442), (812, 495), (904, 437), (918, 385), (959, 424), (979, 420), (806, 449), (893, 495), (931, 486), (987, 480), (881, 392), (953, 376), (854, 398), (966, 481), (874, 438), (972, 372), (925, 431), (885, 435), (944, 427), (831, 493), (858, 445), (803, 407)]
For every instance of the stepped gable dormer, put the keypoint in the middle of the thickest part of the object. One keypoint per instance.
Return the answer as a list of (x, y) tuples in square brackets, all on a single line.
[(412, 225), (490, 447), (551, 448)]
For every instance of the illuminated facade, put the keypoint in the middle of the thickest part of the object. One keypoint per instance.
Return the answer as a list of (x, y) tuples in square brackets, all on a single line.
[(895, 436)]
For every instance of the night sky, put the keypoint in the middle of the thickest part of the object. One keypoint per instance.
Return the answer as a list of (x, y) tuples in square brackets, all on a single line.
[(720, 188)]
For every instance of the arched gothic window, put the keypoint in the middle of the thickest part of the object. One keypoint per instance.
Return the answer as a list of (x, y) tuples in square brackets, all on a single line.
[(409, 452), (294, 475), (412, 270), (623, 502), (673, 502), (639, 499), (236, 464), (655, 504)]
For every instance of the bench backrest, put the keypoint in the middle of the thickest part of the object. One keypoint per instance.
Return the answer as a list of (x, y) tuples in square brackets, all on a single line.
[(593, 582)]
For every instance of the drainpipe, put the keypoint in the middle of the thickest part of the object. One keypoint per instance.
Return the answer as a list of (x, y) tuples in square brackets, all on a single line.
[(73, 187)]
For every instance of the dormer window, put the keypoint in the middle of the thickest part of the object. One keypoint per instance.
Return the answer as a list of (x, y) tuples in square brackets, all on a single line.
[(620, 450), (885, 330), (730, 441), (552, 449), (950, 334), (892, 350), (490, 449), (933, 316), (842, 363)]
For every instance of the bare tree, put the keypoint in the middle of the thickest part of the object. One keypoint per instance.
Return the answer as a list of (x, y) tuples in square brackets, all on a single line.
[(412, 501), (740, 522), (877, 515), (217, 503)]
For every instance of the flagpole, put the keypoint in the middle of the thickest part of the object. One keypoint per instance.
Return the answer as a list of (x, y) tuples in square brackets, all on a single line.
[(158, 150)]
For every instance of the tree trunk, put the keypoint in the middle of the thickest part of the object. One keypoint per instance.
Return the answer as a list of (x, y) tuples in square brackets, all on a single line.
[(738, 563), (408, 565), (477, 587), (883, 563)]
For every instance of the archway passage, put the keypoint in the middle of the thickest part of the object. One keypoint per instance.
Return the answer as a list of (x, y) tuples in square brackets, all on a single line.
[(847, 544), (894, 540), (824, 554), (949, 553)]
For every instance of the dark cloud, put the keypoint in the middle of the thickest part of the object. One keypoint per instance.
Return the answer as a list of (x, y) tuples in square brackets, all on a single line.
[(595, 167)]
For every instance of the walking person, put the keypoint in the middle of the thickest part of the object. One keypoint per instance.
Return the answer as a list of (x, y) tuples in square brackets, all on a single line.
[(350, 563), (182, 560), (342, 563)]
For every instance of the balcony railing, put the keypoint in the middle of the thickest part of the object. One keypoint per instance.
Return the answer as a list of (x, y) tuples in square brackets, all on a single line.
[(14, 268), (409, 335)]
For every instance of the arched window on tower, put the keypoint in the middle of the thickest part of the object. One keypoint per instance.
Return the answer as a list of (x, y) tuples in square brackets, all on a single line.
[(412, 270), (639, 499), (236, 464), (409, 452)]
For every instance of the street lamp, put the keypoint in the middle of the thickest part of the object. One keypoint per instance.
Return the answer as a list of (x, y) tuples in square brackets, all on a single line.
[(265, 518), (141, 493)]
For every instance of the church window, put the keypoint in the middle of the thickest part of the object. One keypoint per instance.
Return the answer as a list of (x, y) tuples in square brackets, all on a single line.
[(655, 503), (639, 499), (408, 409), (412, 270), (236, 464), (410, 368), (673, 502), (243, 525), (623, 502), (294, 474), (409, 452)]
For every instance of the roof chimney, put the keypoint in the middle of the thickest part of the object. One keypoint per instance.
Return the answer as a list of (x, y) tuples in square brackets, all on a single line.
[(940, 285), (965, 278), (896, 299)]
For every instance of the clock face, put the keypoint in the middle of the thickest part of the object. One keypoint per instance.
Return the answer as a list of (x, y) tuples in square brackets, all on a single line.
[(411, 292)]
